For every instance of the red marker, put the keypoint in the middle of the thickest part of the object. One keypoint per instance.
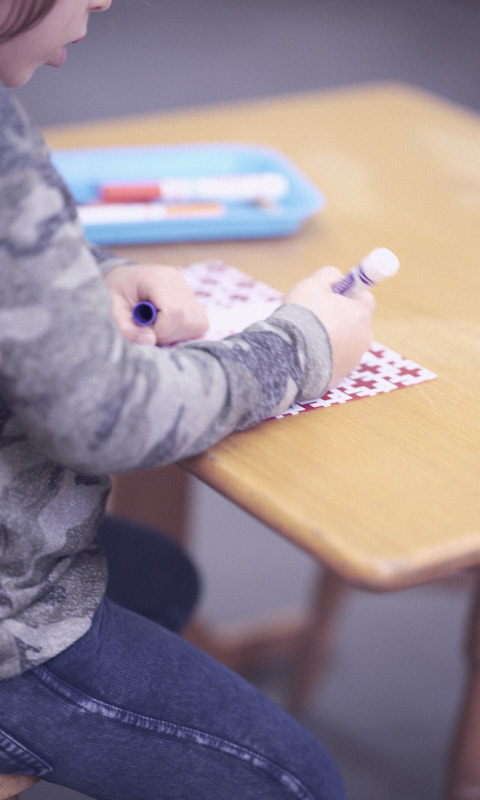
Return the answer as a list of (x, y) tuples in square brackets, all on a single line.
[(247, 187)]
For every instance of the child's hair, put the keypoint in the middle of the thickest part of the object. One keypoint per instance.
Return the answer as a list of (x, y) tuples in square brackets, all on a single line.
[(24, 14)]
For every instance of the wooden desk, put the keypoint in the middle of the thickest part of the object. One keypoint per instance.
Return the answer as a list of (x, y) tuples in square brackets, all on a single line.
[(385, 491)]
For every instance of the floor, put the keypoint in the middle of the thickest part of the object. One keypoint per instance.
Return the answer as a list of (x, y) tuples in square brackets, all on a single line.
[(387, 707)]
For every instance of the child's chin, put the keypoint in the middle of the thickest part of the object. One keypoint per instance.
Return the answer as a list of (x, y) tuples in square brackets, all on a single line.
[(59, 59)]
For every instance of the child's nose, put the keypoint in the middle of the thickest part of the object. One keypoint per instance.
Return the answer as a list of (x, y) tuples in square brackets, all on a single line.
[(100, 5)]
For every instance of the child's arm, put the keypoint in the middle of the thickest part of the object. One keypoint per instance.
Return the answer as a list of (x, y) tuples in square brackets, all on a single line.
[(78, 391), (182, 317)]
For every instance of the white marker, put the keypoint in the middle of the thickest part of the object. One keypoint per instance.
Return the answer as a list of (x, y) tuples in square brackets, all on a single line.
[(375, 268), (122, 213)]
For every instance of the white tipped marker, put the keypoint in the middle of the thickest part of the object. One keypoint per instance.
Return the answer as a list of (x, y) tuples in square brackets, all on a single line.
[(374, 268)]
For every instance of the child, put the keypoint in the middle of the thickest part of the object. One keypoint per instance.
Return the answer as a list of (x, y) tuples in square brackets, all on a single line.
[(96, 691)]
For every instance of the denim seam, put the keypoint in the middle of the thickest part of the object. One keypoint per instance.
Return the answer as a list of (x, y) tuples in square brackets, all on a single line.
[(25, 757), (91, 705)]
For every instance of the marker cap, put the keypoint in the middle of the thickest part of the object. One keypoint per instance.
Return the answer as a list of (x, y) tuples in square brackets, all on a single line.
[(144, 313), (380, 264)]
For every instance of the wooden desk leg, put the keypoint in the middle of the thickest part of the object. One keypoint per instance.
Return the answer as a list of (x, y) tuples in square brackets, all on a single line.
[(465, 765), (317, 639), (155, 497)]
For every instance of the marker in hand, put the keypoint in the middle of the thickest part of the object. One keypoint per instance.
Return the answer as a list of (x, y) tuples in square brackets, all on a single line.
[(374, 268)]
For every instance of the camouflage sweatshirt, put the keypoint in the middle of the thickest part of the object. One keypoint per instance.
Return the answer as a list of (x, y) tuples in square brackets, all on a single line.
[(78, 402)]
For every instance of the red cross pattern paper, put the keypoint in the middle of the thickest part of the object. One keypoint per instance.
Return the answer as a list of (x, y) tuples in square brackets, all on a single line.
[(234, 300)]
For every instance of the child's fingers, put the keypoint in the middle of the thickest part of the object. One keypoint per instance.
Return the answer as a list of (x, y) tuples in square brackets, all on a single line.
[(180, 323), (180, 315), (347, 320), (326, 276)]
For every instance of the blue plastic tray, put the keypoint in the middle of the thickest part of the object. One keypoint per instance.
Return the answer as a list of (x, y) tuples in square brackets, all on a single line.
[(85, 169)]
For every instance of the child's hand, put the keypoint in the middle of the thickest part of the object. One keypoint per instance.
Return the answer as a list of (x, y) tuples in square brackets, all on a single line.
[(348, 320), (180, 316)]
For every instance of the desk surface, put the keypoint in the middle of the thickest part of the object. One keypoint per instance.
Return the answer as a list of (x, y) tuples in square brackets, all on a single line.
[(385, 490)]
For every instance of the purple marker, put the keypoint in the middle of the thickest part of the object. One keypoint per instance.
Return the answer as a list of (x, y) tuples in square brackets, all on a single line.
[(375, 268), (144, 313)]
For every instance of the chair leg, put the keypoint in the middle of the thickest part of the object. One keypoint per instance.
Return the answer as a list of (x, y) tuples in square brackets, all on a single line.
[(318, 638), (465, 764)]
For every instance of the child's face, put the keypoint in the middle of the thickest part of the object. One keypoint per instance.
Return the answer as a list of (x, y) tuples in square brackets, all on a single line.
[(46, 42)]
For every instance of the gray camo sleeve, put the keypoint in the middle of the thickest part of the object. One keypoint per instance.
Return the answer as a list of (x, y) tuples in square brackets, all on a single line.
[(84, 396)]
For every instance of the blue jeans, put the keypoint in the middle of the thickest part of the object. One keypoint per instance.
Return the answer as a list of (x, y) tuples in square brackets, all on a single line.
[(133, 712)]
